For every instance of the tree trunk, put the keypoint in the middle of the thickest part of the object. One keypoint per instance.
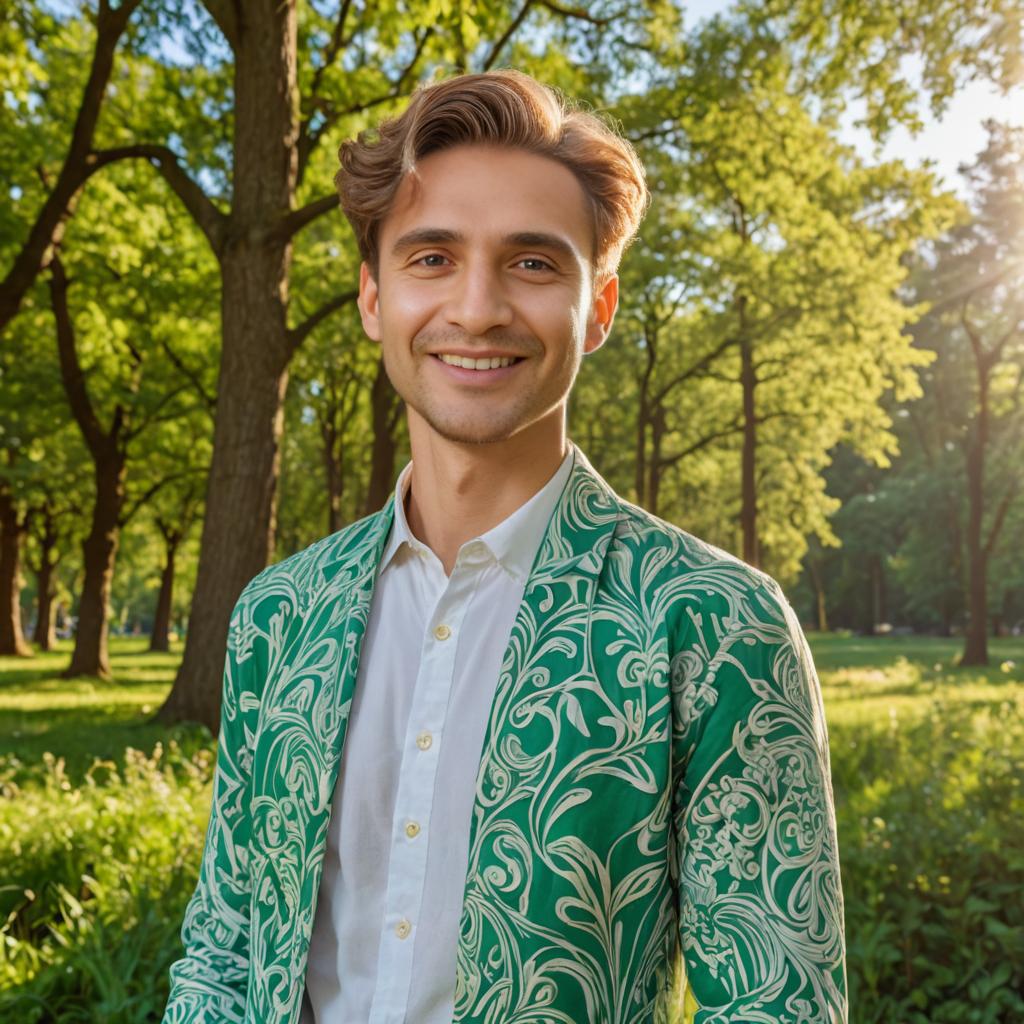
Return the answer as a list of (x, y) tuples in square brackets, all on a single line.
[(99, 551), (334, 471), (384, 405), (160, 638), (748, 468), (640, 457), (46, 633), (658, 429), (946, 613), (643, 416), (12, 530), (976, 640), (818, 580), (878, 603), (238, 530)]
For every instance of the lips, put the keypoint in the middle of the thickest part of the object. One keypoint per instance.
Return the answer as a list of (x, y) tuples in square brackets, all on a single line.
[(463, 375), (493, 355)]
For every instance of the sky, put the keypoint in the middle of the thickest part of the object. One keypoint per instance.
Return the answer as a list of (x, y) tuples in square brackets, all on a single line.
[(954, 139)]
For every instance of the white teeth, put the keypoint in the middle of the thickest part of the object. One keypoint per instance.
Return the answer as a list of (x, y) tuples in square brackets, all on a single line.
[(477, 364)]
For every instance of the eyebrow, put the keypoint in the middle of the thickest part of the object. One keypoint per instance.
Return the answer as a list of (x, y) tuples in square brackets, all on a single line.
[(528, 239)]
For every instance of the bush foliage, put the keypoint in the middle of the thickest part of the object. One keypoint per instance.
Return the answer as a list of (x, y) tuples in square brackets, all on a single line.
[(927, 766), (95, 882)]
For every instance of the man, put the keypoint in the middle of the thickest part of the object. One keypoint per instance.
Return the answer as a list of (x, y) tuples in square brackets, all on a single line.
[(511, 748)]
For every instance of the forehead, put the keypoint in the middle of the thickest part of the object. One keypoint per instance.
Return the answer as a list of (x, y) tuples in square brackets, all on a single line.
[(490, 192)]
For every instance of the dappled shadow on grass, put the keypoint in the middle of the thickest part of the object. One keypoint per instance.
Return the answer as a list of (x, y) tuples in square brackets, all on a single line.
[(131, 663), (83, 718)]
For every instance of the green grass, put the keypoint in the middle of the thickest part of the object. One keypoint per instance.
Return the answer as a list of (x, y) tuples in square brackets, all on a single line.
[(864, 679), (103, 814), (80, 720)]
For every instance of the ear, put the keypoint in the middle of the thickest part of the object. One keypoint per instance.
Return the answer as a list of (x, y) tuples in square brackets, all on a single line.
[(602, 314), (369, 303)]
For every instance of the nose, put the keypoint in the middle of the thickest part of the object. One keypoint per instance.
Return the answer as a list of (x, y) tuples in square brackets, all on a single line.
[(478, 301)]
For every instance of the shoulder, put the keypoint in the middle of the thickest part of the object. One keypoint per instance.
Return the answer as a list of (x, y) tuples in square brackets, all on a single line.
[(733, 637), (292, 584), (699, 586)]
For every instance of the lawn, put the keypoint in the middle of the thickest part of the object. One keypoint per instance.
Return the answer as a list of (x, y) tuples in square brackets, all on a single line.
[(103, 820)]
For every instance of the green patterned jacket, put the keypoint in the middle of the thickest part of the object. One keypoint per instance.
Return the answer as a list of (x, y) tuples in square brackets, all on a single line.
[(654, 780)]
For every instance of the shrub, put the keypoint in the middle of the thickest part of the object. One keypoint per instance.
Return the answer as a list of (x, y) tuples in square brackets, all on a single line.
[(931, 832), (95, 883)]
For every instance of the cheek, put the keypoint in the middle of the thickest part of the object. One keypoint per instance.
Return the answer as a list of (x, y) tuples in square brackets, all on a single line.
[(407, 307), (558, 317)]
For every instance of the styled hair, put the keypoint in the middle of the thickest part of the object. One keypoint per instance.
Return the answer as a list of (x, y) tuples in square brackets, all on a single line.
[(501, 107)]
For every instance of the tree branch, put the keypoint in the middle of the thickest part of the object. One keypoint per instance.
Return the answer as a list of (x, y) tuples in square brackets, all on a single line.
[(966, 292), (1000, 518), (210, 401), (48, 227), (692, 371), (153, 416), (331, 52), (297, 335), (579, 13), (669, 460), (508, 33), (309, 138), (129, 510), (70, 368), (209, 219), (292, 223), (225, 13)]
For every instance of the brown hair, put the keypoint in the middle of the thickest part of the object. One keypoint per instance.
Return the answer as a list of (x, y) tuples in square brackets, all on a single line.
[(501, 107)]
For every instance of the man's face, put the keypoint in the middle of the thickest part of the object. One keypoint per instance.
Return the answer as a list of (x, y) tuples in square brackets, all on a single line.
[(490, 254)]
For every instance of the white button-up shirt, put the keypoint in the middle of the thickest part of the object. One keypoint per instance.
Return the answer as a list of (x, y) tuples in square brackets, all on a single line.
[(385, 935)]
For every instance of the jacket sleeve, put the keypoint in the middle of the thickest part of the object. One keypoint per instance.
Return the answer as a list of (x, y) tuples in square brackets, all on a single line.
[(761, 922), (208, 984)]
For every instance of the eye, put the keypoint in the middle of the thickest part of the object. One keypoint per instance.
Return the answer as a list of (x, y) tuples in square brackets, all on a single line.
[(544, 265), (430, 256)]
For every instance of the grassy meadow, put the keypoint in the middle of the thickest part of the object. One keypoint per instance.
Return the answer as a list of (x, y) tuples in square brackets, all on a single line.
[(102, 819)]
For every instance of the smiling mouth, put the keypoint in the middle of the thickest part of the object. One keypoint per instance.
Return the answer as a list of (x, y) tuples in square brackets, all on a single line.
[(478, 366)]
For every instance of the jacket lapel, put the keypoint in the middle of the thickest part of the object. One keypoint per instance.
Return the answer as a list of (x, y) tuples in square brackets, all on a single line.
[(303, 720), (548, 653)]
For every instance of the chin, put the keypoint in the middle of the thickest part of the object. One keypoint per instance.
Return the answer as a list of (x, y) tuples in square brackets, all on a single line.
[(462, 433)]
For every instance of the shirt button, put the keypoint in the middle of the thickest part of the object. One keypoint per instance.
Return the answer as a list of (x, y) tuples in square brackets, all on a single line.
[(403, 928), (412, 830), (424, 740), (442, 632)]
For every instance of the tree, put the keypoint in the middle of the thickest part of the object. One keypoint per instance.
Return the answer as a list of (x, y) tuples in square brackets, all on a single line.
[(131, 331), (34, 453), (974, 278), (328, 453), (80, 161), (13, 527)]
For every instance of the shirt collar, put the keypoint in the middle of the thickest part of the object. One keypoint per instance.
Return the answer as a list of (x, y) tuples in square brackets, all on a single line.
[(513, 542)]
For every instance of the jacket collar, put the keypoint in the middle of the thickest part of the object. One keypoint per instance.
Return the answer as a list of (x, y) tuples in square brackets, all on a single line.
[(512, 543), (575, 539)]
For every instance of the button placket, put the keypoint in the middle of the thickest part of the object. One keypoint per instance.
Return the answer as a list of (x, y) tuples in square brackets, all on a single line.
[(414, 799)]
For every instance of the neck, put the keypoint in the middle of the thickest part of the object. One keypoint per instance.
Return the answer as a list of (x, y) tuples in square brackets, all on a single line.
[(460, 491)]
